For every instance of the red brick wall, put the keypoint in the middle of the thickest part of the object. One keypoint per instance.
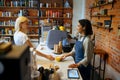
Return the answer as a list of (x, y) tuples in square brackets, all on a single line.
[(108, 41)]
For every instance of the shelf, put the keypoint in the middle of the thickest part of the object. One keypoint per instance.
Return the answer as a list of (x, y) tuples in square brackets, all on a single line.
[(55, 8), (8, 17), (19, 7), (11, 35), (54, 18), (103, 27), (96, 26), (30, 26), (9, 7), (33, 17), (58, 14), (7, 35), (33, 35), (103, 4), (6, 26), (16, 17), (102, 15)]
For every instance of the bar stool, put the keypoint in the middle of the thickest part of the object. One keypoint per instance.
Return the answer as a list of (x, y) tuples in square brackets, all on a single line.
[(103, 56)]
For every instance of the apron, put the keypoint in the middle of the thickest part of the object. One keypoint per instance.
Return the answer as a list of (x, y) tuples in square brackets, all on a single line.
[(79, 55)]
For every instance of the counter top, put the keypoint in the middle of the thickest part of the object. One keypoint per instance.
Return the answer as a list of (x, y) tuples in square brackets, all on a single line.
[(63, 65)]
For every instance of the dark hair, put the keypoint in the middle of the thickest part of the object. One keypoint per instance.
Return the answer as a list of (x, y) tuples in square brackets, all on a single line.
[(88, 27), (69, 36)]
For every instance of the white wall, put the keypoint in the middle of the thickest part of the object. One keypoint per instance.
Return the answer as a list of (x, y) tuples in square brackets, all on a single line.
[(78, 13)]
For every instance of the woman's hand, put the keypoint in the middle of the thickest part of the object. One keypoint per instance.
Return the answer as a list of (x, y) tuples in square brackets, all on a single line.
[(50, 57), (73, 66)]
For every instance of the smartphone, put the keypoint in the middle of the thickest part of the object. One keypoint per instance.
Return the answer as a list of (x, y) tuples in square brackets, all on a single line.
[(73, 74)]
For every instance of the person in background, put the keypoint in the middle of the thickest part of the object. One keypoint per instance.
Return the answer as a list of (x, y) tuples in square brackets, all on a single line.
[(68, 43), (83, 49), (68, 40), (20, 35)]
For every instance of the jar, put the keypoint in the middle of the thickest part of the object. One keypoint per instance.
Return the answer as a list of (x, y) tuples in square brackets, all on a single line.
[(35, 75), (60, 46)]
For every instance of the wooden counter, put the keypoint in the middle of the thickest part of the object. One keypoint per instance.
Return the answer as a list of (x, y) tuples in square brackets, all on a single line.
[(63, 65)]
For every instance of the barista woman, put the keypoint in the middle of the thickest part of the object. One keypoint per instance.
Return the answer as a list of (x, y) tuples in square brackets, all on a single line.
[(83, 49)]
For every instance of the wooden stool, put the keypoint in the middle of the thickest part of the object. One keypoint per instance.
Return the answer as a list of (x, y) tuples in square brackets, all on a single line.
[(103, 56)]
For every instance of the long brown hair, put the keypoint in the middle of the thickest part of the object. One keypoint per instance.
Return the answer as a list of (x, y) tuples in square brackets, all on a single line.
[(88, 27)]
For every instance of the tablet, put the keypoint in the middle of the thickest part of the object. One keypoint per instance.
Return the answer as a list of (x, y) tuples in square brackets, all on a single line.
[(73, 74)]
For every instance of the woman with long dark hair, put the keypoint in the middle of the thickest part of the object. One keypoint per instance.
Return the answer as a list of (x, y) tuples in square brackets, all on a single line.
[(83, 49)]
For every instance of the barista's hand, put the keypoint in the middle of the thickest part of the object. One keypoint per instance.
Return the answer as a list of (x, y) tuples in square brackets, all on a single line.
[(50, 57), (73, 65), (63, 56)]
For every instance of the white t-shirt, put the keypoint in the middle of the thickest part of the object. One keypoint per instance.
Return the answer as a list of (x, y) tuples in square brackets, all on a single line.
[(20, 38)]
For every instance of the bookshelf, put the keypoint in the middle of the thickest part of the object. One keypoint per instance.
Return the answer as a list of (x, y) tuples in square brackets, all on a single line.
[(54, 11), (100, 10), (11, 9), (57, 12)]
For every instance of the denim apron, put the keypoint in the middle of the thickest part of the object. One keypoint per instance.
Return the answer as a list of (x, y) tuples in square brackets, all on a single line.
[(79, 55)]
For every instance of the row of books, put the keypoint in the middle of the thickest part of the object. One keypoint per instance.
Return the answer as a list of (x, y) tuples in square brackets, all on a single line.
[(21, 3), (54, 14), (7, 23), (7, 31), (31, 3)]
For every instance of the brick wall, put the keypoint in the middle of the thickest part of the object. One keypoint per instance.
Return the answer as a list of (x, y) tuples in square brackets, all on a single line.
[(105, 39)]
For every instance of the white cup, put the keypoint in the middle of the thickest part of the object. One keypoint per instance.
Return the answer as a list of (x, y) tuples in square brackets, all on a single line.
[(35, 75)]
